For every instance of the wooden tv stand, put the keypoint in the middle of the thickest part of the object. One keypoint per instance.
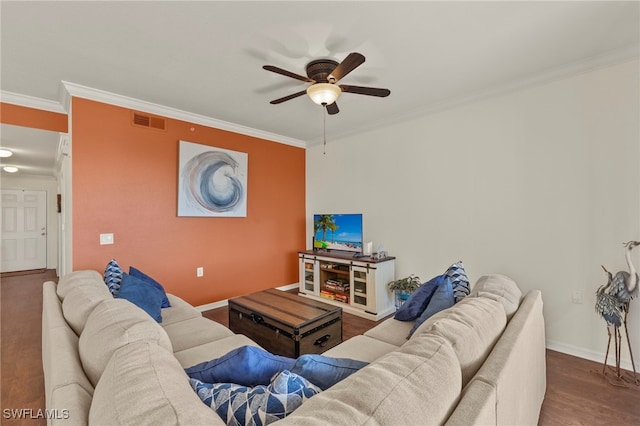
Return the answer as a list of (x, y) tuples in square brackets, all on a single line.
[(357, 284)]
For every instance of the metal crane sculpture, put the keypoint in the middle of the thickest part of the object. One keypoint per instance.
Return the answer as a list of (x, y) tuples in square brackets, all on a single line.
[(612, 303)]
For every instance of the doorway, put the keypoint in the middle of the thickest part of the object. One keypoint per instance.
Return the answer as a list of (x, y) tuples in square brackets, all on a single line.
[(23, 221)]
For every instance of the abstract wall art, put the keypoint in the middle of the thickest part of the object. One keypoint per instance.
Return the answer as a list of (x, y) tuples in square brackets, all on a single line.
[(212, 181)]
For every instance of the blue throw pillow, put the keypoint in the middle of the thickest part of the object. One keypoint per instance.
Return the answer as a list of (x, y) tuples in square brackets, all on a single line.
[(324, 371), (134, 272), (246, 366), (442, 299), (113, 277), (459, 280), (260, 405), (142, 294), (418, 301)]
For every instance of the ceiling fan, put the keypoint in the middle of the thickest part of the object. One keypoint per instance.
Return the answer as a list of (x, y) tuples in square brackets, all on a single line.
[(323, 74)]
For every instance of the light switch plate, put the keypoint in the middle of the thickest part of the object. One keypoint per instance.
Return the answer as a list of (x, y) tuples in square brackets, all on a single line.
[(106, 239)]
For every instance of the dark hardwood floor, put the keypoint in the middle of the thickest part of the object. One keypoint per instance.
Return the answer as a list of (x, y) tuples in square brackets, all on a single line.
[(576, 393)]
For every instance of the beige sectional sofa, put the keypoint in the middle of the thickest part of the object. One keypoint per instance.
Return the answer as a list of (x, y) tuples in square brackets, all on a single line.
[(480, 362)]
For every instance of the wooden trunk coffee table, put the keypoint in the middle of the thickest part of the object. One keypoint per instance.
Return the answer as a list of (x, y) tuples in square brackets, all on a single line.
[(286, 324)]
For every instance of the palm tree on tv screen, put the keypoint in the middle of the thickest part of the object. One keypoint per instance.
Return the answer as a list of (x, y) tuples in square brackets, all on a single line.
[(333, 227), (325, 223)]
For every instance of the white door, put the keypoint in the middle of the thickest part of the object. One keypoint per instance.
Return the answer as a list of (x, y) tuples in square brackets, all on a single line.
[(23, 217)]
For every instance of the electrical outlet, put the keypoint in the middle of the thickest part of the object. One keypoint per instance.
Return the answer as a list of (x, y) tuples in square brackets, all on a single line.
[(199, 271), (576, 297)]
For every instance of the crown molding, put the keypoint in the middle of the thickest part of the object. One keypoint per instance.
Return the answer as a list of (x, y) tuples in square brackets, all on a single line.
[(605, 60), (31, 102), (79, 91)]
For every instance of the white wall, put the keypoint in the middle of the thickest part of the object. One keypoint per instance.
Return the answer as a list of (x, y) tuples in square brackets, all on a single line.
[(49, 185), (540, 184)]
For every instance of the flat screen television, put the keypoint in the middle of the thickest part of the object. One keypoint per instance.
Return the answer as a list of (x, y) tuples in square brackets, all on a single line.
[(338, 232)]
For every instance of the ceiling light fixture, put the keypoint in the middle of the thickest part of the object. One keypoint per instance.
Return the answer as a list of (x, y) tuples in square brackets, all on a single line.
[(323, 93), (4, 153), (10, 169)]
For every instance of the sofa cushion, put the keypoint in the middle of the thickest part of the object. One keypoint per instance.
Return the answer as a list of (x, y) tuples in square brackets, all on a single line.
[(135, 272), (76, 279), (472, 327), (143, 294), (113, 275), (459, 280), (442, 299), (80, 301), (179, 311), (112, 324), (260, 405), (195, 332), (419, 299), (501, 289), (324, 371), (244, 366), (214, 349), (361, 348), (391, 331), (424, 370), (143, 384)]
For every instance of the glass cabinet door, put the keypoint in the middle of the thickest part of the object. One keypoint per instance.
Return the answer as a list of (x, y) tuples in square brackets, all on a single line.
[(309, 276), (359, 278)]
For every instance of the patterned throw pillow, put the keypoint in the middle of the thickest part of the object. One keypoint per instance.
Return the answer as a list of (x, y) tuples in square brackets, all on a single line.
[(113, 277), (260, 405), (459, 281)]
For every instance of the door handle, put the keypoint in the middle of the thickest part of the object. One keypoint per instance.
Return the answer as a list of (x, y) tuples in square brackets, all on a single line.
[(43, 234)]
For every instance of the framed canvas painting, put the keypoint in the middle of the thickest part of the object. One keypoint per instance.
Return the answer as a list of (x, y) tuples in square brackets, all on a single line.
[(212, 182)]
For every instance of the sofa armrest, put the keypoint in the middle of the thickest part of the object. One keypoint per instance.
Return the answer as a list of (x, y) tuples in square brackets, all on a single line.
[(477, 405), (517, 365)]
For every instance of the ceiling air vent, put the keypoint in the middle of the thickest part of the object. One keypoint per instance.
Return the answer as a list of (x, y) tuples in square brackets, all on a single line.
[(150, 121)]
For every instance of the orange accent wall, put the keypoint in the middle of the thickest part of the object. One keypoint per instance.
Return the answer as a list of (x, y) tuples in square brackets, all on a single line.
[(35, 118), (125, 181)]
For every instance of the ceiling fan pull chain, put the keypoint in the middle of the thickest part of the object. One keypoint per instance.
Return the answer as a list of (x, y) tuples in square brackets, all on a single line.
[(324, 129)]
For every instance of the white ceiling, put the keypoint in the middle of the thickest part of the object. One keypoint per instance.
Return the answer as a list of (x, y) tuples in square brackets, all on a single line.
[(34, 150), (206, 57)]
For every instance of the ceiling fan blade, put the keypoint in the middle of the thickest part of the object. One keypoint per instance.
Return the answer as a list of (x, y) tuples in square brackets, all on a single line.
[(350, 63), (332, 109), (371, 91), (286, 98), (287, 73)]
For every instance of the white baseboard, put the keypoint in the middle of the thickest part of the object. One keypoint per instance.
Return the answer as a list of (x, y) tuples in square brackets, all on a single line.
[(590, 354), (288, 287), (213, 305), (225, 302)]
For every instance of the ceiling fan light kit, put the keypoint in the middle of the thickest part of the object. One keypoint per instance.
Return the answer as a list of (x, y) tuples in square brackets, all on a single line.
[(323, 93)]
